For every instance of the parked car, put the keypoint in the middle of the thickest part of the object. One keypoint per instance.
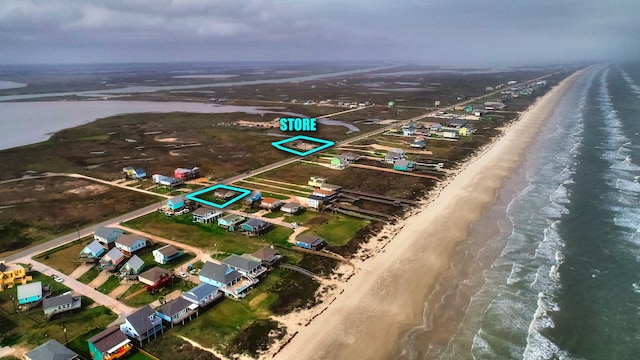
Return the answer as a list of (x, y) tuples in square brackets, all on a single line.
[(57, 278)]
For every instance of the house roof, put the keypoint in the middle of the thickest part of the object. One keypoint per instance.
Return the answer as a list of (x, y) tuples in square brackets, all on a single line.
[(202, 211), (113, 254), (290, 206), (57, 300), (107, 232), (154, 274), (350, 155), (177, 199), (241, 263), (270, 200), (330, 187), (140, 171), (94, 247), (457, 121), (108, 339), (167, 250), (51, 350), (265, 253), (219, 272), (135, 262), (402, 163), (324, 192), (140, 319), (174, 306), (29, 290), (129, 239), (310, 239), (256, 223), (232, 217), (200, 292)]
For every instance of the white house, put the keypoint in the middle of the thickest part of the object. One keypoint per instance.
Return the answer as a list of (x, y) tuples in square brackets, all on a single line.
[(130, 243)]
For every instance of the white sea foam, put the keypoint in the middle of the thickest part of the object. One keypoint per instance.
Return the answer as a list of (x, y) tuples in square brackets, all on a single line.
[(632, 85)]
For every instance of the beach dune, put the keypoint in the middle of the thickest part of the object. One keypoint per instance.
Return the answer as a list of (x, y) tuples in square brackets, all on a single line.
[(386, 296)]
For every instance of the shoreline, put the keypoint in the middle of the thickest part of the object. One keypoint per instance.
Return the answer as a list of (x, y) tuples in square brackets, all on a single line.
[(366, 311)]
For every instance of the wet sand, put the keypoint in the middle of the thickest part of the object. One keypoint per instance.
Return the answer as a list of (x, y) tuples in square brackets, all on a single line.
[(386, 296)]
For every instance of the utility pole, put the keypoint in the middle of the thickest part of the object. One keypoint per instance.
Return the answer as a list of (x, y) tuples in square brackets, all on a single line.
[(78, 228)]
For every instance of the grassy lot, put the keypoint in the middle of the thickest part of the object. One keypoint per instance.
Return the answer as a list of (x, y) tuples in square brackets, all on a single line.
[(340, 229), (307, 217), (31, 327), (206, 236), (89, 275), (108, 286), (61, 258), (273, 214)]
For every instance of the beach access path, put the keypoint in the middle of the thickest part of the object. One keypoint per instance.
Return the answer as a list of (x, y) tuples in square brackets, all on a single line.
[(368, 319)]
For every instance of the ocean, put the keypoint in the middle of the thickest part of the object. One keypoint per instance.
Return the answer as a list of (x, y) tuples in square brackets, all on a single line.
[(559, 276)]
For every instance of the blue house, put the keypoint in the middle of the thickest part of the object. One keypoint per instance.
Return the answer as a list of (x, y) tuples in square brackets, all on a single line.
[(202, 295), (30, 293), (92, 251), (177, 310), (309, 241), (166, 253), (176, 202), (226, 278), (256, 226)]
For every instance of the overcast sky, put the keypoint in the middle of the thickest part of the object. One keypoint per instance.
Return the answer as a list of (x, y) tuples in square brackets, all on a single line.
[(427, 31)]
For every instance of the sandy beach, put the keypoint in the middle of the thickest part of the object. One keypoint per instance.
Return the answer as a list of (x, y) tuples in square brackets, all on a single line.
[(385, 297)]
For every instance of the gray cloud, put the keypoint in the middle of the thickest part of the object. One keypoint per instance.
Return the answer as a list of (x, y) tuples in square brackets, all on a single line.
[(442, 31)]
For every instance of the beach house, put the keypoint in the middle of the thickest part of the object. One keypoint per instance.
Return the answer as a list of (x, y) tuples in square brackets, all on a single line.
[(316, 181), (177, 310), (176, 203), (132, 267), (394, 155), (130, 243), (11, 275), (30, 293), (291, 208), (155, 278), (267, 255), (226, 278), (142, 324), (310, 241), (107, 236), (184, 174), (166, 181), (166, 254), (205, 215), (230, 221), (270, 203), (256, 226), (134, 173), (338, 163), (245, 265), (203, 294), (51, 350), (92, 251), (109, 344), (403, 165), (61, 303), (111, 260)]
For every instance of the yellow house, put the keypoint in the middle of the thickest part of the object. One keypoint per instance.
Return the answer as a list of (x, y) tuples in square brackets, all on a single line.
[(11, 275), (316, 181), (462, 131)]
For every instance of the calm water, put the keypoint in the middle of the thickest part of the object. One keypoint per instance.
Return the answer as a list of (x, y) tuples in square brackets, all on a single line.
[(566, 282)]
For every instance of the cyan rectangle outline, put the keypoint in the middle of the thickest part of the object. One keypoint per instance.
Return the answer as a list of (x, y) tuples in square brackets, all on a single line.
[(325, 144), (194, 195)]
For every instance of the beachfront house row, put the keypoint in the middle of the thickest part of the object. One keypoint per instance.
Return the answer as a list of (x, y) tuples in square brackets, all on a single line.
[(61, 303), (142, 324), (11, 275), (166, 254), (109, 344), (205, 215), (51, 350), (30, 293), (256, 226), (176, 203), (155, 278), (112, 259), (203, 294), (230, 221), (291, 208), (267, 255), (107, 236), (132, 267), (130, 243), (92, 251), (245, 265), (270, 203), (177, 310), (226, 278), (309, 241)]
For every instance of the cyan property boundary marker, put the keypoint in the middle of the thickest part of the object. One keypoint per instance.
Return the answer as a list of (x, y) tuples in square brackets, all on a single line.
[(324, 144), (194, 196)]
